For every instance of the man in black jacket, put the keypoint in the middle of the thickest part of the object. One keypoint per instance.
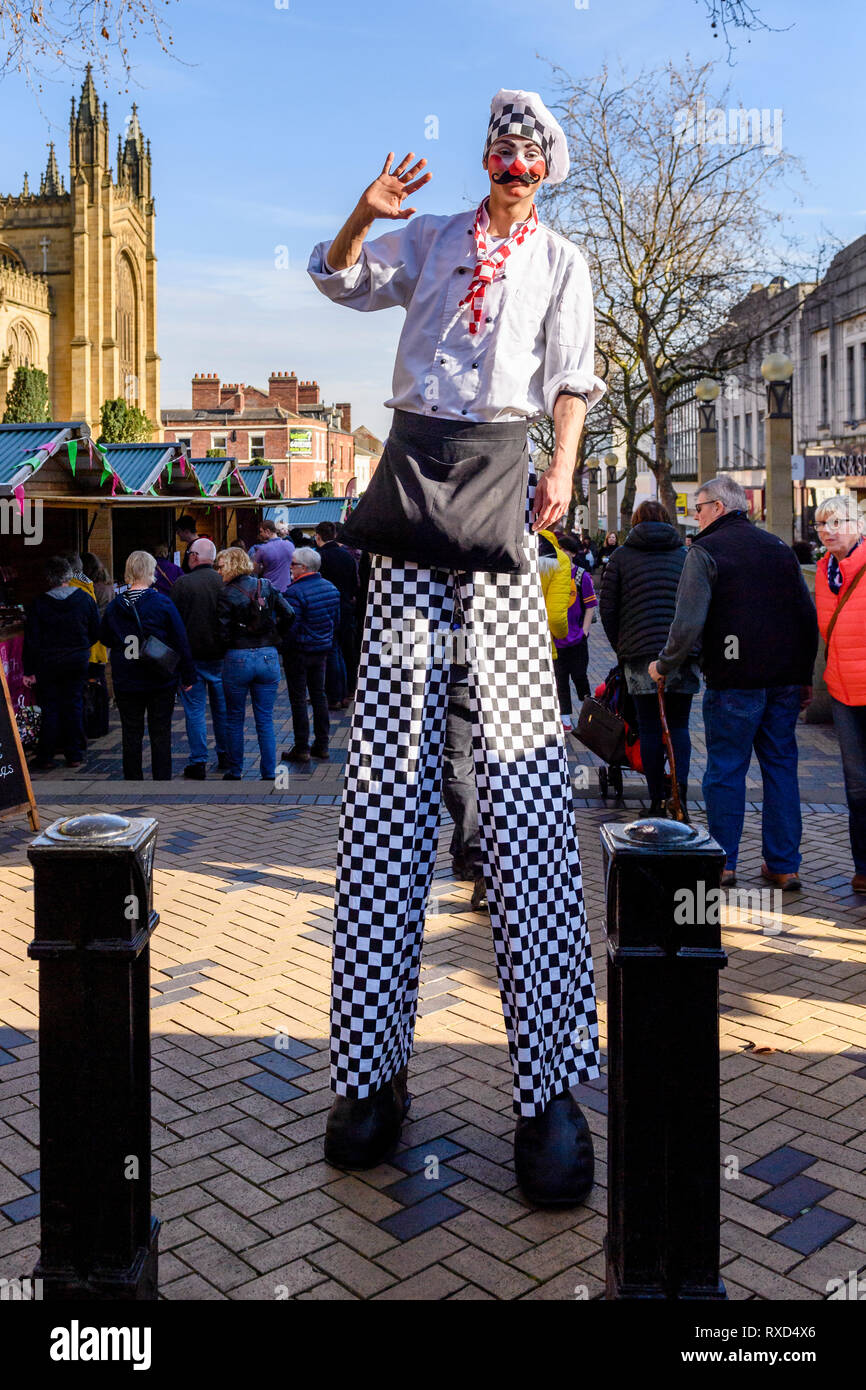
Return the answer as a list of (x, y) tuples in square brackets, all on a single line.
[(743, 594), (316, 605), (340, 569), (196, 595)]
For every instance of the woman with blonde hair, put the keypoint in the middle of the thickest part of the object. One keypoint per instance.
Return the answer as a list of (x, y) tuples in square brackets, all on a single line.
[(252, 617), (149, 650), (840, 597)]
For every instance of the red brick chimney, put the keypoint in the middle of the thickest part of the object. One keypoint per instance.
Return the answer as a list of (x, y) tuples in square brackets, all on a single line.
[(232, 396), (345, 409), (308, 393), (283, 390), (205, 390)]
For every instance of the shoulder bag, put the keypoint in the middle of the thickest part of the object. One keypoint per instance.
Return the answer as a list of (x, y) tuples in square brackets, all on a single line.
[(161, 660)]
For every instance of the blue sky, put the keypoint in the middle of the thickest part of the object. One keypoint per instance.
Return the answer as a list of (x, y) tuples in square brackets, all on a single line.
[(274, 120)]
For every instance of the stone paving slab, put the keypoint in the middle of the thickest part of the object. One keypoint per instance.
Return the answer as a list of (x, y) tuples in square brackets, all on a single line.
[(240, 972)]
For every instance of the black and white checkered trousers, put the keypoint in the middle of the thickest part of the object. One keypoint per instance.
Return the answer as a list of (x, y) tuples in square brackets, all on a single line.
[(389, 827)]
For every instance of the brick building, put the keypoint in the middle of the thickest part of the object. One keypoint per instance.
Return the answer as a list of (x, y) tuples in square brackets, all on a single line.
[(288, 426)]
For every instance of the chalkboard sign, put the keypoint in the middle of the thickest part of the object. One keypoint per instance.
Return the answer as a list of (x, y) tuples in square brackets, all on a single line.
[(16, 792)]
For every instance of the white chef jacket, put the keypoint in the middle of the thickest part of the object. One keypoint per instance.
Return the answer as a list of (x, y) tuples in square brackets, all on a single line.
[(536, 336)]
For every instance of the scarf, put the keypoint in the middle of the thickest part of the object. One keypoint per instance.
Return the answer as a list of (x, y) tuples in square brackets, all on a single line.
[(834, 570), (487, 264)]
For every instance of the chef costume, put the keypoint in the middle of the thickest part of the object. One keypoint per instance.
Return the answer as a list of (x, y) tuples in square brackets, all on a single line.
[(495, 331)]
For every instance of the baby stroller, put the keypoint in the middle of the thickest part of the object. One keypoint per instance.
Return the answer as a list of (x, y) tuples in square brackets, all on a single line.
[(607, 726)]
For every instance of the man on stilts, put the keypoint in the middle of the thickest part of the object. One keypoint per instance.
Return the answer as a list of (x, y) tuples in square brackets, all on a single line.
[(498, 331)]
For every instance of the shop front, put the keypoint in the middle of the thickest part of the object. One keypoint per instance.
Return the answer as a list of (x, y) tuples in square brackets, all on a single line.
[(818, 476)]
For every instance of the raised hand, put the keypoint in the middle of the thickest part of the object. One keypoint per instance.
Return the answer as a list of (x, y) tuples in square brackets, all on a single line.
[(385, 195)]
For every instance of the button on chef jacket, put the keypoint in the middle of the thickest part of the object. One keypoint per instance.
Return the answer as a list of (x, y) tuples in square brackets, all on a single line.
[(536, 336)]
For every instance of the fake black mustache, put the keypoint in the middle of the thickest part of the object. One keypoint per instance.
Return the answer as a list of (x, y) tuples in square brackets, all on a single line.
[(526, 178)]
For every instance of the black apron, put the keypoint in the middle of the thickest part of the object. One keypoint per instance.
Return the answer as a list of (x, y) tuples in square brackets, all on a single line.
[(448, 495)]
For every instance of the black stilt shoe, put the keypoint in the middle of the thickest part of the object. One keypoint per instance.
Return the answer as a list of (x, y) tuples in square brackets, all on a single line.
[(553, 1158), (363, 1133)]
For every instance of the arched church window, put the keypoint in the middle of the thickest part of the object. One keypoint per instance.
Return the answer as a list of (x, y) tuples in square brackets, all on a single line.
[(22, 345), (127, 330), (10, 257)]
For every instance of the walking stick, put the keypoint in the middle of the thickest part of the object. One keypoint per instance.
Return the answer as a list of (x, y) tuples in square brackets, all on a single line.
[(669, 748)]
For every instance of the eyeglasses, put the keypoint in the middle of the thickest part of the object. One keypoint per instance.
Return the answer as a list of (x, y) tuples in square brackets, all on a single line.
[(698, 505)]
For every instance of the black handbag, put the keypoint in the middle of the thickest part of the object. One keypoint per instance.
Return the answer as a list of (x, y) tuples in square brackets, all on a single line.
[(95, 707), (601, 730), (447, 495), (161, 660)]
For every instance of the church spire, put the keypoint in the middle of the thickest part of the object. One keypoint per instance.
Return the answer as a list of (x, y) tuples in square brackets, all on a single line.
[(88, 106), (52, 184), (88, 135), (25, 191), (134, 164)]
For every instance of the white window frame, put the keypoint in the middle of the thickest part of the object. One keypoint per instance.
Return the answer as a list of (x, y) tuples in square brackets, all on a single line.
[(215, 444), (253, 446)]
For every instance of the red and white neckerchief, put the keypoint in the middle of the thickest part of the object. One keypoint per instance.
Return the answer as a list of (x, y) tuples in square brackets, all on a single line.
[(488, 264)]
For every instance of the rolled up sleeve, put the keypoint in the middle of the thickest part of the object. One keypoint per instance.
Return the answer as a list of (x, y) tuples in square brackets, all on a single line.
[(569, 362), (385, 274)]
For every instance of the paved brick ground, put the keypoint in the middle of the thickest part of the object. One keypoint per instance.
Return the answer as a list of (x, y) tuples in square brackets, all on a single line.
[(244, 886), (249, 1207)]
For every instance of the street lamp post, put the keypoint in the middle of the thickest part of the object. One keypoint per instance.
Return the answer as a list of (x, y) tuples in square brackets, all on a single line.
[(611, 462), (707, 392), (592, 466), (777, 370)]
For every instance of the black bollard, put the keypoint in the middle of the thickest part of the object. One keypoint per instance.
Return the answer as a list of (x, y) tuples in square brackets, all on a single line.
[(93, 879), (664, 954)]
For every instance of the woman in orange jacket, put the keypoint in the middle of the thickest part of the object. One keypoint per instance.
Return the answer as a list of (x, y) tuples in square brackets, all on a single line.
[(840, 596)]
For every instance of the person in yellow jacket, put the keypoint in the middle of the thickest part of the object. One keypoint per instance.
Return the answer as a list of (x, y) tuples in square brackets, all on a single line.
[(569, 614), (98, 652)]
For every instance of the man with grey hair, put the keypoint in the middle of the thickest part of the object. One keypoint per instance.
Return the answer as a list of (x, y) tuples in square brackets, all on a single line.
[(316, 603), (743, 597), (196, 595)]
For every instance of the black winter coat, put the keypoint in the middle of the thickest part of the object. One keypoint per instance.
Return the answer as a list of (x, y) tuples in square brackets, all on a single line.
[(639, 590), (234, 614), (59, 632)]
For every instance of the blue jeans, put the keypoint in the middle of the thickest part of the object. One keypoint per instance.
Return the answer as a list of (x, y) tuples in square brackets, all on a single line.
[(257, 670), (209, 683), (850, 721), (737, 721), (652, 748)]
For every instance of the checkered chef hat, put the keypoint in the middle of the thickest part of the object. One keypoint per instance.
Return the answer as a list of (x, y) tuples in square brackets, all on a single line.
[(524, 113)]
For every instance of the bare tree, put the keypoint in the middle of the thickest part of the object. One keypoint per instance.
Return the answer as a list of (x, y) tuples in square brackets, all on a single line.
[(38, 36), (728, 16), (668, 195)]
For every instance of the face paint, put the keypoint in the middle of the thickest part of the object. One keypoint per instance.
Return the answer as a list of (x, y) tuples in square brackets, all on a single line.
[(513, 159)]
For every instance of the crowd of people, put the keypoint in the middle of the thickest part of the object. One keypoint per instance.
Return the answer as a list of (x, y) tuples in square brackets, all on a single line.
[(732, 607), (218, 628)]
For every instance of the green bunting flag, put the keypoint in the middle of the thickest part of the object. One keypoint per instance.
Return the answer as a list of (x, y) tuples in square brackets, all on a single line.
[(169, 466), (72, 447), (106, 473)]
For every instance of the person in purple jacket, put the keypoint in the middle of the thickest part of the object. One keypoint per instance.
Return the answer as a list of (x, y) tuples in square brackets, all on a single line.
[(572, 651)]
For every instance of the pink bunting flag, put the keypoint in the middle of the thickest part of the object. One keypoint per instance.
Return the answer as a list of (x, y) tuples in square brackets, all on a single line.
[(114, 481), (18, 493)]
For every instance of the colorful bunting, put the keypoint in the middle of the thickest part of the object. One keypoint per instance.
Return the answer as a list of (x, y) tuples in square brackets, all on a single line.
[(106, 473), (18, 493), (72, 448)]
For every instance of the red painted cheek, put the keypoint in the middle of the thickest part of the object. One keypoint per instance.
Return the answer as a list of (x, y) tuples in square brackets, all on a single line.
[(496, 163), (537, 168)]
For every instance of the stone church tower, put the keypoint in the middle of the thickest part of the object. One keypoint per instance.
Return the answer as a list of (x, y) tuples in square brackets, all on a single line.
[(78, 272)]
